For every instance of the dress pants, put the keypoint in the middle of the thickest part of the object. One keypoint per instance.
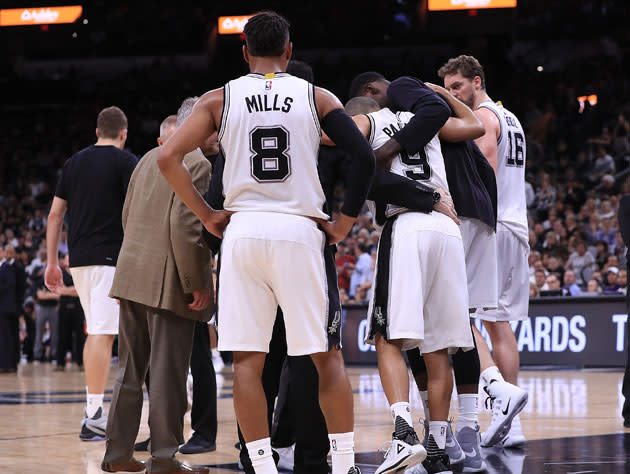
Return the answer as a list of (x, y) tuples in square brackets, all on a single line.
[(203, 414), (140, 328), (71, 328), (50, 314), (9, 341)]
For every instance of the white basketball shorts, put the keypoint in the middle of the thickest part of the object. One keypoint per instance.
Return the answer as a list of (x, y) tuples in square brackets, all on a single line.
[(420, 295), (93, 284), (513, 273), (268, 260), (480, 248)]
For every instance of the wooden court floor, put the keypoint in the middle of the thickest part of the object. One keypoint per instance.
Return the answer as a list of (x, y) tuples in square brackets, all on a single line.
[(572, 422)]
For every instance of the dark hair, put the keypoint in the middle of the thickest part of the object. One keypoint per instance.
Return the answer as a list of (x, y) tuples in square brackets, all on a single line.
[(301, 69), (110, 122), (467, 66), (266, 34), (360, 81)]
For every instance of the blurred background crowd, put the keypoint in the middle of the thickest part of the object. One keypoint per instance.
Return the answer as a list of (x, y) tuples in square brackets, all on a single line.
[(560, 66)]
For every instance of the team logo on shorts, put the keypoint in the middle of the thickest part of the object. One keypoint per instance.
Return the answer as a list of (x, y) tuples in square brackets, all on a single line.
[(378, 316), (334, 444), (332, 329), (267, 85)]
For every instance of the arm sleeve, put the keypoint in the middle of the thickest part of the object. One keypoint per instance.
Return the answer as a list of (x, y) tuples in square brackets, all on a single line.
[(192, 257), (61, 190), (127, 167), (390, 188), (430, 112), (214, 197), (342, 130)]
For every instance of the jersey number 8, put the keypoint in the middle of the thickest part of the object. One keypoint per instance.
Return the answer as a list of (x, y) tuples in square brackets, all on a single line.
[(270, 162)]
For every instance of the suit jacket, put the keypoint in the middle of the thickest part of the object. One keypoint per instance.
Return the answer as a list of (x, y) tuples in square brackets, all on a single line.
[(163, 258)]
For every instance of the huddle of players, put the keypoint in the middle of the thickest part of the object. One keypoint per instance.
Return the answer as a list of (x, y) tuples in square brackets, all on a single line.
[(273, 251)]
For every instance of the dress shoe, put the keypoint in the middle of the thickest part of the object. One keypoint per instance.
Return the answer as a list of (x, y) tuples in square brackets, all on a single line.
[(131, 466), (184, 469), (197, 444), (142, 445)]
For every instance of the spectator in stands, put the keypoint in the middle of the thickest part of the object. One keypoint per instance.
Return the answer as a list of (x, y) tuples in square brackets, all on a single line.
[(570, 288), (9, 335), (604, 163), (541, 282), (362, 272), (46, 311), (606, 232), (592, 288), (612, 286), (345, 264), (608, 185), (545, 196), (555, 266), (601, 255), (581, 260), (606, 210), (534, 292), (553, 282)]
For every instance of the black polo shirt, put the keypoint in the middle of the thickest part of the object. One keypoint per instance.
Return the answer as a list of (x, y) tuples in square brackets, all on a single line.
[(94, 183)]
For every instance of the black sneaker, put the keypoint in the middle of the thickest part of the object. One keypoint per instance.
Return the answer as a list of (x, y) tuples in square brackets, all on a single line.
[(437, 464), (93, 429), (197, 444), (142, 445), (354, 470)]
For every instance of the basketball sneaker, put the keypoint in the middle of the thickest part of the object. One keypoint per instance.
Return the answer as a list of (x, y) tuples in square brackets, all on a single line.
[(93, 429), (453, 449), (506, 401), (405, 449), (469, 439), (436, 461), (515, 437)]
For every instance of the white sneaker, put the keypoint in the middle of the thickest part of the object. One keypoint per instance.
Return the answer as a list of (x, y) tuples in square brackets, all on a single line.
[(417, 469), (402, 455), (287, 456), (515, 437), (506, 401), (217, 361)]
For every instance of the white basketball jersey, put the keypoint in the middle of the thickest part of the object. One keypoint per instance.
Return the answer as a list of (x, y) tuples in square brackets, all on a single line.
[(511, 204), (427, 166), (270, 137)]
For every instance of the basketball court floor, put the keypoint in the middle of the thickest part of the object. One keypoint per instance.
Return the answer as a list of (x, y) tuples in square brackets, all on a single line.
[(572, 422)]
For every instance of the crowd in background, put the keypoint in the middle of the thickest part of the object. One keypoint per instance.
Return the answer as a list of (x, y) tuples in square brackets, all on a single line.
[(577, 167)]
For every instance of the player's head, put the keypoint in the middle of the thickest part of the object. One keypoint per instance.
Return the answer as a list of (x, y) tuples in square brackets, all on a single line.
[(211, 145), (361, 105), (167, 127), (302, 70), (267, 36), (111, 124), (370, 84), (464, 78)]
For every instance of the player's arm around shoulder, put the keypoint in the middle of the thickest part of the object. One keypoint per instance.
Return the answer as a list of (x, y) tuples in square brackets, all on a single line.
[(202, 122), (487, 143), (192, 256)]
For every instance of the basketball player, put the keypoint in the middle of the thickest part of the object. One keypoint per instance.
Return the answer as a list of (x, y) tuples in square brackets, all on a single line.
[(472, 184), (92, 188), (433, 244), (272, 251), (503, 145)]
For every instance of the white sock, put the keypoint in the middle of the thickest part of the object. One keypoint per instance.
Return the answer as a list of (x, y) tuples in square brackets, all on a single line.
[(261, 456), (94, 402), (342, 452), (402, 410), (468, 411), (491, 373), (424, 396), (438, 430)]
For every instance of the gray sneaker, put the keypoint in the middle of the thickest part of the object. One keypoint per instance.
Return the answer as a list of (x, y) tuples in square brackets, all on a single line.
[(93, 429), (453, 449), (469, 439)]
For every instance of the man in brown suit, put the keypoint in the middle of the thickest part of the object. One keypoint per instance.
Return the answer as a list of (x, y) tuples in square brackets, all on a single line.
[(164, 283)]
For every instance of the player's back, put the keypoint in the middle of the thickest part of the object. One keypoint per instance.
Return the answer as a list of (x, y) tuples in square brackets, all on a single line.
[(427, 166), (511, 151), (270, 136)]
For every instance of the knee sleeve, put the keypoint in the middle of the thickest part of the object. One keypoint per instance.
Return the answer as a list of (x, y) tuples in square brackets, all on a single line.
[(466, 366), (416, 362)]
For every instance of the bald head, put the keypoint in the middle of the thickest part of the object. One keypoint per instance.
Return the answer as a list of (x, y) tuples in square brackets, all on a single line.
[(361, 105), (167, 127)]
